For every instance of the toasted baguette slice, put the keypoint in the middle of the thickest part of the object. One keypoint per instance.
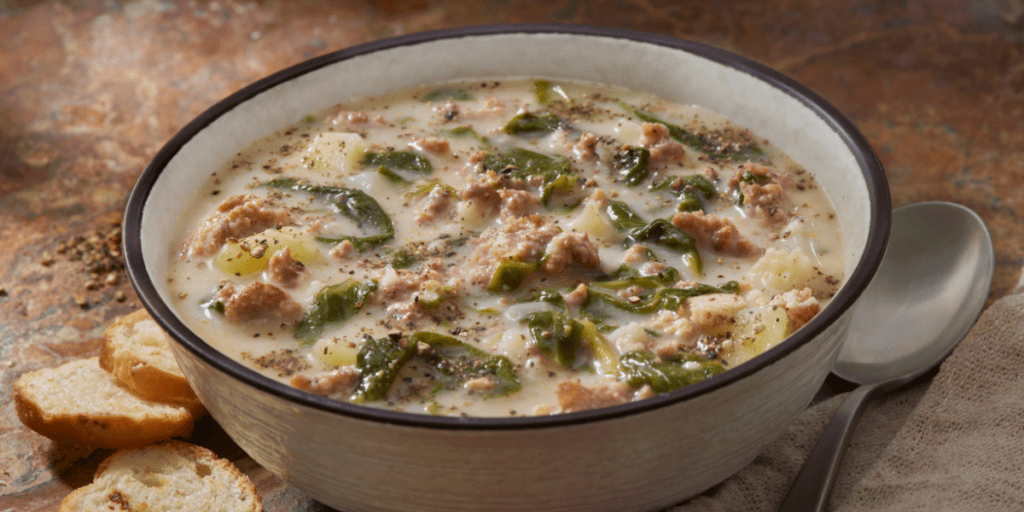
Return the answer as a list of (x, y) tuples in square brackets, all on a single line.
[(81, 403), (135, 351), (169, 476)]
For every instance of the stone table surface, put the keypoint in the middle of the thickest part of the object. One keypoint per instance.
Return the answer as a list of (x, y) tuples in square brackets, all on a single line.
[(90, 90)]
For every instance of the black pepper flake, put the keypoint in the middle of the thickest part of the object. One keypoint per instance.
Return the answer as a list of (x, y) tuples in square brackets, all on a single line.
[(99, 251)]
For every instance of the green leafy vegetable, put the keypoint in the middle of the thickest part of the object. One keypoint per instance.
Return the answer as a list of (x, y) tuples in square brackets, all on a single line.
[(689, 189), (563, 184), (523, 163), (662, 232), (458, 362), (466, 131), (360, 207), (710, 148), (623, 217), (631, 164), (532, 124), (700, 184), (639, 368), (626, 276), (332, 304), (750, 177), (448, 93), (461, 131), (729, 287), (676, 132), (379, 362), (659, 231), (353, 204), (688, 202), (429, 187), (660, 299), (216, 305), (544, 91), (556, 333), (542, 88), (604, 358), (556, 171), (393, 176), (398, 161), (296, 185), (509, 275), (551, 297), (402, 259)]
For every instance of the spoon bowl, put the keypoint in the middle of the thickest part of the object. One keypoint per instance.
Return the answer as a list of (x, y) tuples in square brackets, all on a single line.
[(927, 294)]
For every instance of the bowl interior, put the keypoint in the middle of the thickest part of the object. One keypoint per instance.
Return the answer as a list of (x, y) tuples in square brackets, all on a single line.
[(770, 105)]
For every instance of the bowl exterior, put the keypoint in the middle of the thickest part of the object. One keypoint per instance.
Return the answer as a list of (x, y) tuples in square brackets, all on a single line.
[(644, 461), (640, 456)]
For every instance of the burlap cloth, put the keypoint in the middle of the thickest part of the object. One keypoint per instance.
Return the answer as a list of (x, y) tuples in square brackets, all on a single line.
[(953, 444)]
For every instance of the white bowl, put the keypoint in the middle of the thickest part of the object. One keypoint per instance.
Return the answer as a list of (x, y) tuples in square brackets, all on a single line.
[(638, 456)]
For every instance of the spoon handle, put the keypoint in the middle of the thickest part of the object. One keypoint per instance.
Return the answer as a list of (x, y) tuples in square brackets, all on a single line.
[(813, 485)]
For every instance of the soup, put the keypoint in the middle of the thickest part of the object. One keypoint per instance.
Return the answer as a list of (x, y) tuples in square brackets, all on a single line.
[(504, 248)]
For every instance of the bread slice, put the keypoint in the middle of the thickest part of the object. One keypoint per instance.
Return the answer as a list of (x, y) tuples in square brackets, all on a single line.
[(81, 403), (169, 476), (135, 350)]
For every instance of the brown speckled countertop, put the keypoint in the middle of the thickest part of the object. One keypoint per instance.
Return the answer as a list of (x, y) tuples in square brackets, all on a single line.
[(90, 90)]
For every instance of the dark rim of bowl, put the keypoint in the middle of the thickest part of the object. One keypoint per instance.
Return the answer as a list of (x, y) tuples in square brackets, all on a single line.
[(878, 233)]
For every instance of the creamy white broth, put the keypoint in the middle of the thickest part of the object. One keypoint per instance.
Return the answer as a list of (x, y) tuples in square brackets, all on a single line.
[(788, 270)]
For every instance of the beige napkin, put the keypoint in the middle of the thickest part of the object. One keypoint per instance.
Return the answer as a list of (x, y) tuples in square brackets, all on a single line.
[(954, 444)]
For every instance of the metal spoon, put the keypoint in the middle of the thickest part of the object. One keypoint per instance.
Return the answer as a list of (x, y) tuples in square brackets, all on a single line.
[(928, 292)]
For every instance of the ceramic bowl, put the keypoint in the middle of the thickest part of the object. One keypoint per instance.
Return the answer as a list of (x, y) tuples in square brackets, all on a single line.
[(639, 456)]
